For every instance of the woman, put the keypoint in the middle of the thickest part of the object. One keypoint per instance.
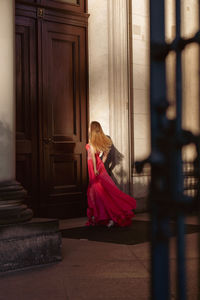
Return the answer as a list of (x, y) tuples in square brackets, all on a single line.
[(107, 205)]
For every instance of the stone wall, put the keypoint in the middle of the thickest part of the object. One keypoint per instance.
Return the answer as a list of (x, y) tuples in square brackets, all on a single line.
[(100, 105), (106, 104), (190, 66), (98, 63), (141, 118), (109, 79), (191, 109)]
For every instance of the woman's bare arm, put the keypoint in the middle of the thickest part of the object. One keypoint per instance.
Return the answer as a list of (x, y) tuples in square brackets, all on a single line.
[(105, 155), (94, 160)]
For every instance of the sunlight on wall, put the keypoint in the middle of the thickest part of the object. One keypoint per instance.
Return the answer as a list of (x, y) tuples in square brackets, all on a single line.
[(108, 77), (140, 20), (98, 70), (98, 63), (191, 109), (189, 68), (170, 33), (141, 113), (99, 67), (7, 95)]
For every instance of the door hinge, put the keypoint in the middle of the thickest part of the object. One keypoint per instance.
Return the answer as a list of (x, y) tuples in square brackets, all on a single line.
[(40, 12)]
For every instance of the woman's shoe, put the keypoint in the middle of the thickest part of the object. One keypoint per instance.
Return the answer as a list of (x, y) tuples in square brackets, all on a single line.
[(110, 223)]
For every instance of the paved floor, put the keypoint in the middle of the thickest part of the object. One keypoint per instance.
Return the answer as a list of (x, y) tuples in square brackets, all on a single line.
[(95, 270)]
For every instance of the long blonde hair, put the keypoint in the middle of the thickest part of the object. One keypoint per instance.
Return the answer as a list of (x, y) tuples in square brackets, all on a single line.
[(99, 141)]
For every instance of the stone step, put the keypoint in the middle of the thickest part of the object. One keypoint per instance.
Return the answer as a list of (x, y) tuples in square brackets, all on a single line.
[(30, 244)]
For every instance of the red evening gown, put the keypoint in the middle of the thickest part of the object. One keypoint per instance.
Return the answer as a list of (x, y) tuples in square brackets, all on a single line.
[(105, 201)]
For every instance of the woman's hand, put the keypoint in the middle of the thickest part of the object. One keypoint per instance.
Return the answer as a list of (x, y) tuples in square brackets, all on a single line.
[(96, 172)]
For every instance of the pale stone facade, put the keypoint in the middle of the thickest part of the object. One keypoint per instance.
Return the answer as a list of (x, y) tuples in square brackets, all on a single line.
[(109, 78), (98, 63), (7, 95), (100, 100), (109, 99), (141, 118), (190, 69), (140, 20), (191, 109)]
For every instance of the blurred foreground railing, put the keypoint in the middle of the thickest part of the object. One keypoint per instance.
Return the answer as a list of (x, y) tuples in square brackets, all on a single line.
[(169, 195)]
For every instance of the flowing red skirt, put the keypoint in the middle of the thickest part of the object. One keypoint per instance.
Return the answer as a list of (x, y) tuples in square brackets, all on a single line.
[(105, 201)]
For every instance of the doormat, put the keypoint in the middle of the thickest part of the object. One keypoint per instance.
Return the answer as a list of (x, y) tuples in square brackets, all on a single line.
[(137, 233)]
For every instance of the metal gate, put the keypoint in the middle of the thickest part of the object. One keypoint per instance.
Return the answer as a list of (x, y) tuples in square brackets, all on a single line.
[(167, 199)]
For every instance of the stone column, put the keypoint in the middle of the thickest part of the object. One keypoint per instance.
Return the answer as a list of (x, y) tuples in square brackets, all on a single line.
[(118, 13), (12, 193)]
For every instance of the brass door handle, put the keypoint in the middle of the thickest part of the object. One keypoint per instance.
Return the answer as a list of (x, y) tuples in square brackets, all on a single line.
[(47, 140)]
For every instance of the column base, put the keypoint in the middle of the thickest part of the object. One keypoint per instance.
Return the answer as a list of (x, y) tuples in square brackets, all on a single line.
[(12, 207), (29, 245)]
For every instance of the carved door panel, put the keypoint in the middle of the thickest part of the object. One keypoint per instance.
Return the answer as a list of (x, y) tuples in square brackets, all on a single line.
[(63, 121), (72, 5), (26, 108)]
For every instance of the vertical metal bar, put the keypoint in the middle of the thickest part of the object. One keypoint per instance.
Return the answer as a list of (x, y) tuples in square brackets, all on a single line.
[(157, 68), (160, 283), (178, 184), (181, 271), (160, 286)]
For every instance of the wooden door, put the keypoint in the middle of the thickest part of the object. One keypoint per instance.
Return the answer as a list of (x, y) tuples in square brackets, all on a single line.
[(26, 108), (63, 120), (51, 105), (72, 5)]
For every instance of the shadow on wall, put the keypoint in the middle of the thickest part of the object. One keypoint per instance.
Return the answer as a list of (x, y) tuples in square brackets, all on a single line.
[(115, 169), (5, 146), (141, 183)]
